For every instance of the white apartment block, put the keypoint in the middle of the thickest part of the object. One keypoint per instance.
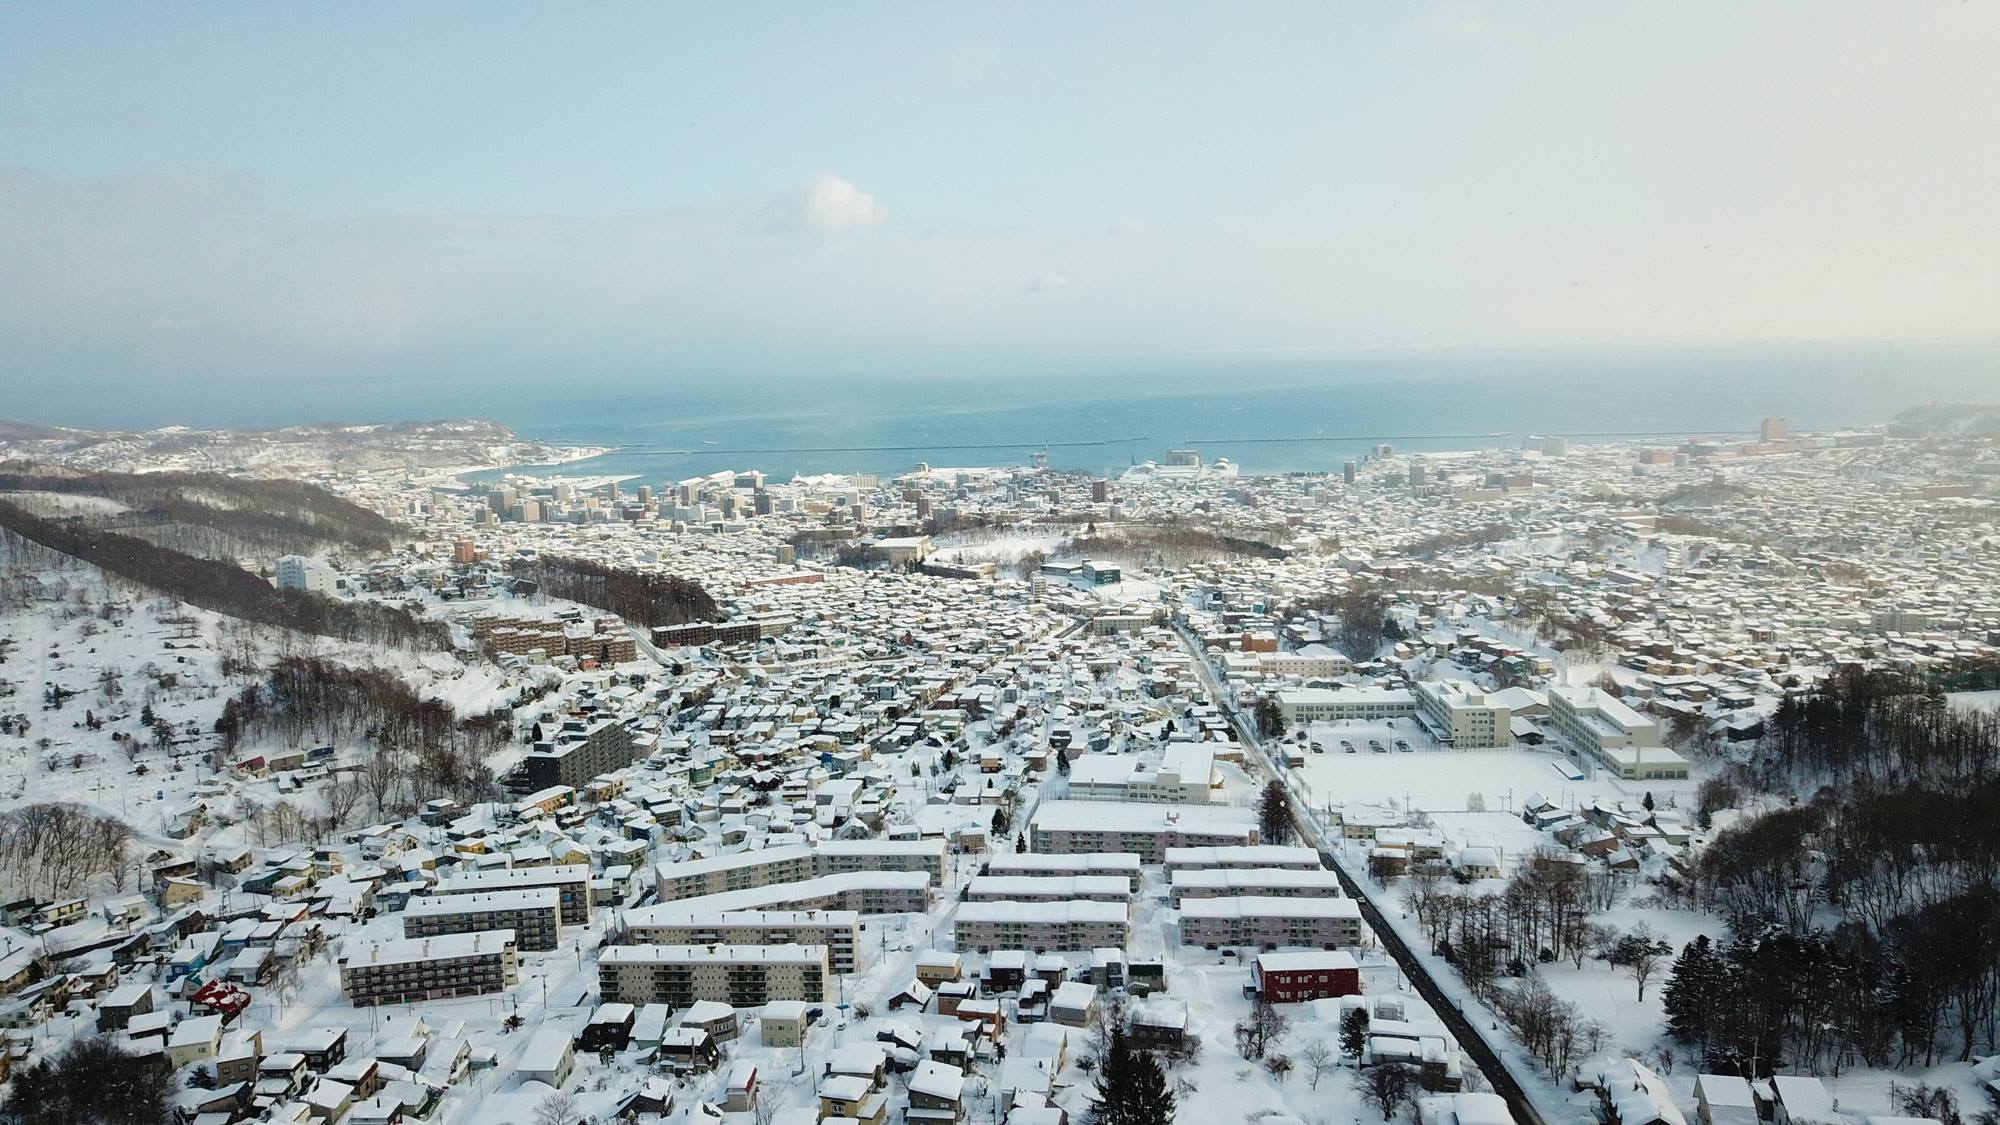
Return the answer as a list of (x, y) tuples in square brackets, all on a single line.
[(1322, 705), (1271, 923), (1040, 927), (1270, 882), (1185, 774), (1593, 724), (742, 976), (838, 930), (1462, 718), (533, 913), (297, 572)]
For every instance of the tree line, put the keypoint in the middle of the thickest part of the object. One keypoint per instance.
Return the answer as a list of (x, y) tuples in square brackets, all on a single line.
[(279, 513), (642, 598), (422, 747), (216, 585), (1865, 919), (55, 848)]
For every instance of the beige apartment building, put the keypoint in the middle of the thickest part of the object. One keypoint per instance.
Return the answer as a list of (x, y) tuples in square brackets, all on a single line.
[(570, 881), (1271, 923), (865, 892), (794, 864), (1123, 865), (533, 913), (1040, 927), (1145, 830), (1266, 882), (1048, 888), (434, 968), (1462, 718), (1259, 855), (838, 930), (742, 976)]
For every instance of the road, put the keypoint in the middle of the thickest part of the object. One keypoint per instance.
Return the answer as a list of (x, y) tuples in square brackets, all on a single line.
[(1469, 1037)]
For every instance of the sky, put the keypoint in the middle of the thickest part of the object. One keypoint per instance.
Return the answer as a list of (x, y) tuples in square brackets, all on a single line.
[(200, 199)]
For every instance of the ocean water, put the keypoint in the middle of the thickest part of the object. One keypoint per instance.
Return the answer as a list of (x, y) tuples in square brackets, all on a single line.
[(1267, 418)]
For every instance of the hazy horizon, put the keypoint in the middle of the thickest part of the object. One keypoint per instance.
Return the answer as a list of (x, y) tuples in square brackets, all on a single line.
[(296, 213)]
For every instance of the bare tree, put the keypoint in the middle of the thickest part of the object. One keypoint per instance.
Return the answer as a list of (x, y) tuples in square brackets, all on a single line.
[(558, 1109), (382, 775), (1386, 1087), (1318, 1059), (1642, 951), (1256, 1032), (342, 794)]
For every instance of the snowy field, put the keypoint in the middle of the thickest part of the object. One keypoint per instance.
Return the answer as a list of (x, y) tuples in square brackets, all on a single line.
[(1438, 781)]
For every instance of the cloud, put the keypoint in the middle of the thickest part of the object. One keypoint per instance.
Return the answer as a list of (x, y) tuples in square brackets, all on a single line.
[(1042, 283), (826, 205)]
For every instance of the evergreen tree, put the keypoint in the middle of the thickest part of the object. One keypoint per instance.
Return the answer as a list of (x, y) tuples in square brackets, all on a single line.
[(1694, 993), (1131, 1087), (1062, 762), (1274, 815), (1354, 1034)]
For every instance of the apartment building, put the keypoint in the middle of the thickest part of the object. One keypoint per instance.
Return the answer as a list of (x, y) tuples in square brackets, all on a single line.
[(1048, 888), (296, 572), (742, 976), (580, 750), (1592, 723), (570, 881), (1271, 923), (1040, 926), (798, 863), (1123, 865), (1184, 774), (1317, 705), (533, 913), (1464, 718), (865, 892), (429, 968), (1270, 882), (838, 930), (1259, 855), (1145, 830), (1296, 976)]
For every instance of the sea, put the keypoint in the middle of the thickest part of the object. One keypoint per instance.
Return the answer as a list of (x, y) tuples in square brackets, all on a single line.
[(1266, 417)]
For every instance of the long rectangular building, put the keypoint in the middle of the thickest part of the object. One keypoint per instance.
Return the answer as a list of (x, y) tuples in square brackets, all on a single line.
[(674, 924), (742, 976), (865, 892), (1273, 882), (438, 968), (796, 863), (1271, 923), (1124, 865), (1144, 830), (571, 882), (533, 913), (1048, 888), (1261, 855), (1040, 926)]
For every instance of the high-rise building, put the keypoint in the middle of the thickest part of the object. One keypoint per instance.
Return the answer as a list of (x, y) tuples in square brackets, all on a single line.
[(1775, 429), (1348, 472)]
